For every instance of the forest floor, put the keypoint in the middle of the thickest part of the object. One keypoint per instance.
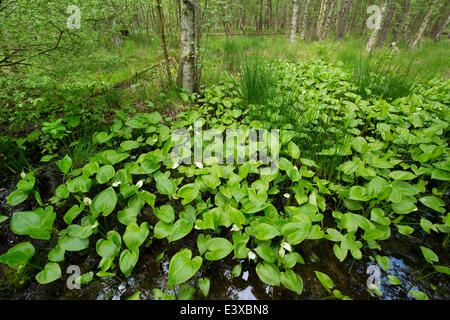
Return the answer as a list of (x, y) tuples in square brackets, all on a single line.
[(57, 109)]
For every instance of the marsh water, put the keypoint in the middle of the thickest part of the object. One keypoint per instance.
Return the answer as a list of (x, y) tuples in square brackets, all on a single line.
[(349, 277)]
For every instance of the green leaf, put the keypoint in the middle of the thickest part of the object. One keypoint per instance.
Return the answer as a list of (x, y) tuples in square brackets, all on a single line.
[(434, 203), (383, 262), (72, 213), (236, 271), (3, 218), (218, 248), (127, 261), (186, 292), (136, 296), (110, 247), (69, 243), (182, 268), (104, 202), (18, 255), (292, 281), (404, 206), (79, 184), (418, 295), (204, 284), (56, 254), (165, 185), (51, 272), (296, 232), (65, 164), (429, 255), (294, 150), (37, 224), (62, 192), (105, 173), (405, 230), (442, 269), (16, 197), (268, 273), (265, 231), (180, 229), (402, 175), (188, 193), (165, 214), (85, 278), (135, 236), (325, 280), (394, 280)]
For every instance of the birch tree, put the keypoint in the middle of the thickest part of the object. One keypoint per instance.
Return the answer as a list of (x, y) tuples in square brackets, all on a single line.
[(423, 26), (187, 71), (343, 19), (327, 24), (375, 25), (442, 29), (294, 21), (305, 20)]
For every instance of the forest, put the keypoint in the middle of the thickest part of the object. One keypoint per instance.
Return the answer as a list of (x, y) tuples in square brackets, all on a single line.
[(224, 150)]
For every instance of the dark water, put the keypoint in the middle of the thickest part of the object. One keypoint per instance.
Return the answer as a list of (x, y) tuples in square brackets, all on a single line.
[(349, 277)]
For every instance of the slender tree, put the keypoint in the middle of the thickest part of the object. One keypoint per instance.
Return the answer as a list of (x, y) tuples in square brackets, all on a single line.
[(327, 24), (305, 19), (163, 38), (387, 23), (343, 19), (375, 31), (187, 74), (442, 29), (423, 26), (294, 21)]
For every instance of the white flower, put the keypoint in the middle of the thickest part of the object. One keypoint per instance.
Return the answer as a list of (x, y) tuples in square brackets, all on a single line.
[(287, 195), (235, 228), (198, 164), (304, 91), (281, 252), (115, 184), (286, 246), (251, 256), (140, 183), (22, 174), (87, 201)]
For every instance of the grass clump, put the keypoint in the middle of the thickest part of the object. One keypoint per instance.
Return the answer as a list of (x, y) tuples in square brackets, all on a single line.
[(257, 79)]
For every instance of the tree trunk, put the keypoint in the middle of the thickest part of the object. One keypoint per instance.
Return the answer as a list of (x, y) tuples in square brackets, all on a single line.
[(294, 21), (442, 29), (327, 24), (187, 69), (163, 39), (387, 23), (423, 26), (374, 34), (305, 19), (322, 12), (343, 19)]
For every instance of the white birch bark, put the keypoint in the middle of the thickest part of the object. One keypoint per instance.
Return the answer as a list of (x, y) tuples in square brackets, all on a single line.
[(422, 28), (294, 21), (187, 72), (305, 20), (376, 30), (442, 29)]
